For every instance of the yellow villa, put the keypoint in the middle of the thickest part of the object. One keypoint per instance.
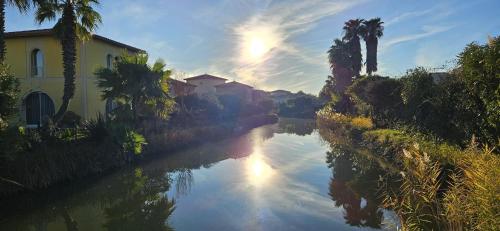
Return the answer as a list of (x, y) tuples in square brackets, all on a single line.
[(35, 58)]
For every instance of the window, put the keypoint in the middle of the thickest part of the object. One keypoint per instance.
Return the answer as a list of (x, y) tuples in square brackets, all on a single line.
[(36, 63), (109, 61), (38, 106)]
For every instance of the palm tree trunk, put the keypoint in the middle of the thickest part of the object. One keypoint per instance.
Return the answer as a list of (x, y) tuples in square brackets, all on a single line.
[(2, 31), (68, 43), (371, 56), (357, 58)]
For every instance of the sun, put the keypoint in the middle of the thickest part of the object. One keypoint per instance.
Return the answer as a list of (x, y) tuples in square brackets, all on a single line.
[(257, 47), (257, 42)]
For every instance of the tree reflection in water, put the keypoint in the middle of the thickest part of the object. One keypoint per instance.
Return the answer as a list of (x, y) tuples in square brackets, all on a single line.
[(143, 204), (354, 187), (183, 181), (135, 200), (301, 127)]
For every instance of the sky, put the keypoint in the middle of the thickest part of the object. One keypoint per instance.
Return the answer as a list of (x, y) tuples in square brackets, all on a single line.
[(273, 44)]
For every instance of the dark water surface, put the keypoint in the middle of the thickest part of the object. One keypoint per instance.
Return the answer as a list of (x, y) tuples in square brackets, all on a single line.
[(275, 177)]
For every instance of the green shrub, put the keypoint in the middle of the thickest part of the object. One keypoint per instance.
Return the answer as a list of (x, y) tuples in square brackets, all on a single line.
[(38, 158), (9, 88)]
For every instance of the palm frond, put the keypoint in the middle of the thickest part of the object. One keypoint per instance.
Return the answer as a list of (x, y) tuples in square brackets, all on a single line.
[(46, 11)]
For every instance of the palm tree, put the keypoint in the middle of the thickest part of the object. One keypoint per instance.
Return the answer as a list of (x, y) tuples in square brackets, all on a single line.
[(340, 62), (372, 30), (352, 33), (339, 57), (78, 19), (21, 5), (140, 88)]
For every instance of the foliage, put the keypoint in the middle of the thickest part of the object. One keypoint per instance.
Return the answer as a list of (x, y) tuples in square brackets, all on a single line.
[(446, 107), (42, 157), (77, 20), (380, 94), (9, 88), (371, 31), (417, 202), (340, 128), (479, 69), (300, 107), (362, 122), (138, 88), (353, 30), (327, 92), (467, 201), (71, 119), (346, 60), (22, 6)]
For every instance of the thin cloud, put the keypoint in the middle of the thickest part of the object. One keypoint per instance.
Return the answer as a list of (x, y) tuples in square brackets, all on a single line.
[(427, 31), (279, 24), (408, 15)]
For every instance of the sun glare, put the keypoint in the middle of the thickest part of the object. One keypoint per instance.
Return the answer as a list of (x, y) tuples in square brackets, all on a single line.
[(257, 41), (257, 47), (258, 171)]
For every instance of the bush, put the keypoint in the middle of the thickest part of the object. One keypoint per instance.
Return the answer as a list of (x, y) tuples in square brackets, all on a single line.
[(304, 106), (38, 158), (70, 120), (9, 88)]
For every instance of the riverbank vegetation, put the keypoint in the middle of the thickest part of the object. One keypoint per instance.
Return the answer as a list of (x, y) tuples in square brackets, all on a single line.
[(438, 132), (302, 106)]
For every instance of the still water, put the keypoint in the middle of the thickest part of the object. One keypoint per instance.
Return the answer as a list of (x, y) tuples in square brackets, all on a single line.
[(275, 177)]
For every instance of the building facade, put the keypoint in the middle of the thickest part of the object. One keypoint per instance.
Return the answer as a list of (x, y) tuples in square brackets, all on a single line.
[(35, 58), (179, 88), (205, 84), (236, 89)]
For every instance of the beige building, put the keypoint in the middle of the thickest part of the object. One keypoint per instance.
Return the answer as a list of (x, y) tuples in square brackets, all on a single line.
[(205, 84), (35, 58), (235, 88)]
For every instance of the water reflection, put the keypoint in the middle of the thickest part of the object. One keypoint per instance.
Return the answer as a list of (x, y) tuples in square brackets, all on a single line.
[(132, 200), (354, 187), (272, 178), (301, 127), (142, 205), (258, 171)]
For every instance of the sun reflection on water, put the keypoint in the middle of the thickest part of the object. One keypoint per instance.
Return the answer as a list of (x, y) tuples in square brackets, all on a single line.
[(257, 170)]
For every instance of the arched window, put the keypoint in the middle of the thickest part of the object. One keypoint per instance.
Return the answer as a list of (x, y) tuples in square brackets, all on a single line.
[(38, 106), (36, 63), (109, 61)]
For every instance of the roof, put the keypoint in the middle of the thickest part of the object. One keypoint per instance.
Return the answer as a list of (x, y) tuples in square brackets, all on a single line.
[(234, 84), (281, 92), (204, 76), (175, 81), (50, 32)]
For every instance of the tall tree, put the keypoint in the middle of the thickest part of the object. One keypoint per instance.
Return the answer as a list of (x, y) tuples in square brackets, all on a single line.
[(372, 30), (352, 34), (21, 5), (339, 57), (77, 20), (340, 62)]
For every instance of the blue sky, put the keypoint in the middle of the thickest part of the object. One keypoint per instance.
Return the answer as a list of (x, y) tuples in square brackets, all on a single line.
[(282, 44)]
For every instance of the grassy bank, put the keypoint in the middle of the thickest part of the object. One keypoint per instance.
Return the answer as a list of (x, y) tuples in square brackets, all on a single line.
[(442, 186)]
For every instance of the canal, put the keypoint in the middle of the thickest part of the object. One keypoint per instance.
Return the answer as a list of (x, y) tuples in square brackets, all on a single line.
[(275, 177)]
